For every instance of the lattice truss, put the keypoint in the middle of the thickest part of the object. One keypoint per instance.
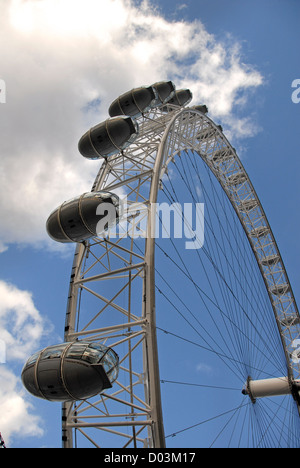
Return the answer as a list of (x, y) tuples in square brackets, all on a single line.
[(110, 288)]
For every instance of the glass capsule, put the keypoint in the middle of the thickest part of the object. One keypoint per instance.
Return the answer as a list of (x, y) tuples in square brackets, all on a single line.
[(71, 371), (88, 215), (134, 102), (108, 138)]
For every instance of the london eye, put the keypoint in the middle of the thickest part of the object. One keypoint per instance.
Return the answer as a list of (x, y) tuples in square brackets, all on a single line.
[(181, 318)]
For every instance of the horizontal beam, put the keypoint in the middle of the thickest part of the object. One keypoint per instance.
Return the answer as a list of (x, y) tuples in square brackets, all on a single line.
[(105, 330), (109, 424), (110, 273)]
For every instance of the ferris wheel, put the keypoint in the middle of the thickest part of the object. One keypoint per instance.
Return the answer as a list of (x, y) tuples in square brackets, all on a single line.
[(181, 329)]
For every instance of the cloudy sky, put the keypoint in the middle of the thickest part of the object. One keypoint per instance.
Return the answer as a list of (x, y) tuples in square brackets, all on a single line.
[(63, 62)]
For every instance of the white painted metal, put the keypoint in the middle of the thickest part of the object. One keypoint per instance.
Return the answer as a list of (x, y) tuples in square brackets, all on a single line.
[(270, 387), (138, 172)]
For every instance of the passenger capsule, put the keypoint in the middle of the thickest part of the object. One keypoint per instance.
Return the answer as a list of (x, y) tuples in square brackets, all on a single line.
[(248, 205), (70, 371), (181, 98), (291, 320), (270, 260), (165, 91), (280, 289), (203, 109), (83, 217), (134, 102), (222, 155), (259, 232), (206, 133), (108, 138), (237, 179)]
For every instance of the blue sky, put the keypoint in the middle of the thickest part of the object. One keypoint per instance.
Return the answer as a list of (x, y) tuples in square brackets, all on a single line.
[(238, 56)]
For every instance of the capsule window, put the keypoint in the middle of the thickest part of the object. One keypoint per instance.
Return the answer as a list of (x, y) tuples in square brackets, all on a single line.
[(127, 103), (91, 356), (32, 359), (110, 363), (98, 347), (112, 374), (53, 352), (76, 351)]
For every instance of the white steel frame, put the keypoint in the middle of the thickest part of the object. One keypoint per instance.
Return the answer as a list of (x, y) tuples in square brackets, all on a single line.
[(139, 171)]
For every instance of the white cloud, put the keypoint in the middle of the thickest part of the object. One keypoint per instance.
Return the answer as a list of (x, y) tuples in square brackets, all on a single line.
[(16, 412), (21, 330), (22, 326), (204, 368), (63, 62), (3, 247)]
